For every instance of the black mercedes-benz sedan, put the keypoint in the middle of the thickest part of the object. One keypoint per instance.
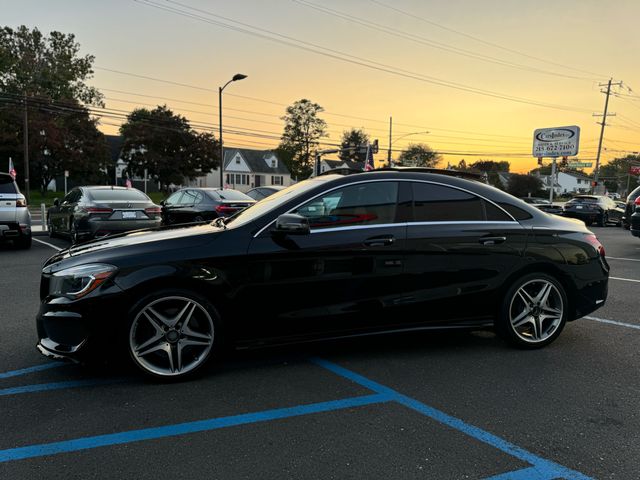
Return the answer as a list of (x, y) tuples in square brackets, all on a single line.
[(332, 256), (193, 205)]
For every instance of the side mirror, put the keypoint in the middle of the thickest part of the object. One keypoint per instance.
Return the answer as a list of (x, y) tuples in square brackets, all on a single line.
[(292, 224), (162, 203), (56, 202)]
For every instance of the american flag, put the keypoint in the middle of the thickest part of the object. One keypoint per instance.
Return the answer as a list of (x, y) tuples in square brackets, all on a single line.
[(12, 169), (368, 164)]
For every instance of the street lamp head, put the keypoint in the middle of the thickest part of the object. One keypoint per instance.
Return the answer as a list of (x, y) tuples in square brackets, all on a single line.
[(238, 76)]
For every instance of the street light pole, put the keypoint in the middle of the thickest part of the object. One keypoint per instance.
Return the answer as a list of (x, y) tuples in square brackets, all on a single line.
[(400, 138), (236, 77)]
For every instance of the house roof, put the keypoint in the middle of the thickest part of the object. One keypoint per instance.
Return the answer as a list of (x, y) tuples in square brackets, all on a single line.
[(255, 160), (115, 143), (577, 175), (333, 163)]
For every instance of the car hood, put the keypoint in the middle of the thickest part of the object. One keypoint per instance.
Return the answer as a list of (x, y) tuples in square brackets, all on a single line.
[(154, 241)]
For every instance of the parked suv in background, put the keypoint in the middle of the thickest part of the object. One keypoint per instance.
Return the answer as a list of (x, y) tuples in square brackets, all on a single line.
[(598, 209), (628, 211), (15, 219)]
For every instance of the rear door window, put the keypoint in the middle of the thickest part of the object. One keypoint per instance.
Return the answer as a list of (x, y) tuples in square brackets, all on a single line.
[(439, 203)]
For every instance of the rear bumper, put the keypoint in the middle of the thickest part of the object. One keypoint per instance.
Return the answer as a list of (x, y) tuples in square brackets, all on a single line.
[(584, 216), (14, 231)]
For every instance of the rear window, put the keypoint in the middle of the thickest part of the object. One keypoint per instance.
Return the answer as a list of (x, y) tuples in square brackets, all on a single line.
[(433, 203), (7, 185), (231, 195), (118, 195), (584, 200)]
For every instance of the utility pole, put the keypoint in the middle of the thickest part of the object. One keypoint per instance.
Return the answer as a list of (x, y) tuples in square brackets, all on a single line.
[(389, 152), (603, 123), (25, 136)]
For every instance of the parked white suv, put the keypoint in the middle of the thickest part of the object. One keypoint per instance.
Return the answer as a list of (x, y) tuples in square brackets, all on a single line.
[(15, 219)]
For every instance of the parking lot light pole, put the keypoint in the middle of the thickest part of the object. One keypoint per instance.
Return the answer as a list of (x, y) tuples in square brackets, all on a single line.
[(236, 77), (400, 138)]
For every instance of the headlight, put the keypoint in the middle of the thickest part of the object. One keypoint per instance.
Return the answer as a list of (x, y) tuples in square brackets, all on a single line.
[(76, 282)]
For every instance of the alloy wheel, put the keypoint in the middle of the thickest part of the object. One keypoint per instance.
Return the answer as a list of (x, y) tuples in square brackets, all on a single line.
[(171, 336), (536, 311)]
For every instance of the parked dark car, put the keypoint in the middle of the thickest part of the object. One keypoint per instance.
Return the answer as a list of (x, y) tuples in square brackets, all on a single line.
[(544, 205), (15, 219), (90, 212), (598, 209), (630, 207), (259, 193), (331, 256), (192, 205)]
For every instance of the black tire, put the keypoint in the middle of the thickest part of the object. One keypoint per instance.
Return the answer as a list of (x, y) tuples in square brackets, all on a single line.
[(165, 297), (519, 336), (24, 243), (603, 220)]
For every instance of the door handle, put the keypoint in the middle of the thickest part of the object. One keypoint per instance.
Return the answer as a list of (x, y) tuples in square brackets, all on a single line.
[(382, 241), (492, 240)]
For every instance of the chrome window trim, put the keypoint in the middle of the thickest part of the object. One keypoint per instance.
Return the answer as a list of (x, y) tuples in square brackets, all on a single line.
[(401, 223), (409, 224)]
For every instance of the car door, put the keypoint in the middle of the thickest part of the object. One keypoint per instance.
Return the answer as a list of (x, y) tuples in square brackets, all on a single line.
[(67, 209), (169, 208), (460, 250), (343, 276)]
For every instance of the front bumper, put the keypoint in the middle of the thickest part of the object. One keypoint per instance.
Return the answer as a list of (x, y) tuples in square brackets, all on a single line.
[(81, 330)]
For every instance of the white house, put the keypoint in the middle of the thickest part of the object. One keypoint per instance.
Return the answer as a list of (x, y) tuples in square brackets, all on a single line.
[(245, 169), (574, 182), (326, 165)]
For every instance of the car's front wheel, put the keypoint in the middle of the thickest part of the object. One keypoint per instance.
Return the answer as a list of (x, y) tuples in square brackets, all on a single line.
[(172, 333), (534, 311)]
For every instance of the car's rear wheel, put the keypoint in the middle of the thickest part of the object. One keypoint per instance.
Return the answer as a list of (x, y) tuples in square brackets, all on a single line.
[(534, 311), (172, 333)]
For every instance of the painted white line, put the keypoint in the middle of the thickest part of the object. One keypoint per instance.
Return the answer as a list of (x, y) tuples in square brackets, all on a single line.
[(620, 258), (47, 244), (613, 322), (624, 279)]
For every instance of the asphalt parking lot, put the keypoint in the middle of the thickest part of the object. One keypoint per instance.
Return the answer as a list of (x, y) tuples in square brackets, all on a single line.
[(440, 406)]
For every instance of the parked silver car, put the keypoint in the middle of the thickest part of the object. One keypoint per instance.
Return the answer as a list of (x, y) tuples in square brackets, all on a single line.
[(15, 219)]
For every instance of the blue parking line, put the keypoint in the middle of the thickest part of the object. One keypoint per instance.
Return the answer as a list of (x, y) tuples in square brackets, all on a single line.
[(531, 473), (41, 387), (35, 368), (85, 443), (545, 469)]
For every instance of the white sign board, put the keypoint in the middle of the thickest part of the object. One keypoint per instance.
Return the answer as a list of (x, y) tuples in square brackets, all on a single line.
[(556, 142)]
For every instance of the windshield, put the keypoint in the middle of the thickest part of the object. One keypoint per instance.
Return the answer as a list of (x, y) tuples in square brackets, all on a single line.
[(228, 194), (6, 184), (274, 201)]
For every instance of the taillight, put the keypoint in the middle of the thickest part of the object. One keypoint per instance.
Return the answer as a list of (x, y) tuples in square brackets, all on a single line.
[(21, 202), (225, 210), (593, 240), (637, 202), (98, 210), (153, 211)]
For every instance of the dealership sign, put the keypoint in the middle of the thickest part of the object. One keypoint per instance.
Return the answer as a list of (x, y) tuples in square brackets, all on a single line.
[(556, 142), (634, 170)]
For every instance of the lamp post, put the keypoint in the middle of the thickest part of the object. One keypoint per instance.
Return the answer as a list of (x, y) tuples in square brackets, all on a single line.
[(399, 138), (236, 77)]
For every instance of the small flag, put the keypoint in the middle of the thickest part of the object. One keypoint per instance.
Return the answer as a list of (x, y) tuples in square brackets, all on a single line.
[(12, 169), (368, 164)]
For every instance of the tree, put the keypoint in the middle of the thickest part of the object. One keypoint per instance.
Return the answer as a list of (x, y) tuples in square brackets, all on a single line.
[(164, 143), (352, 144), (47, 77), (523, 185), (303, 130), (615, 174), (490, 166), (419, 155)]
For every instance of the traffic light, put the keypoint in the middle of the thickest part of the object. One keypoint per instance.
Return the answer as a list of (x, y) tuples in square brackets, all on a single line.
[(374, 146), (594, 184)]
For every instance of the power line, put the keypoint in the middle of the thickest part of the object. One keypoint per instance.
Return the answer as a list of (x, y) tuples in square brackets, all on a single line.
[(485, 42), (396, 32), (345, 57)]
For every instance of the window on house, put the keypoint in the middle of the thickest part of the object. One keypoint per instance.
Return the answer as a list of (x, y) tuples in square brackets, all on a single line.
[(277, 180)]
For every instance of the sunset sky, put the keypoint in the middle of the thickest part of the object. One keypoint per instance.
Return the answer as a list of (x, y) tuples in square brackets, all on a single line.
[(546, 52)]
